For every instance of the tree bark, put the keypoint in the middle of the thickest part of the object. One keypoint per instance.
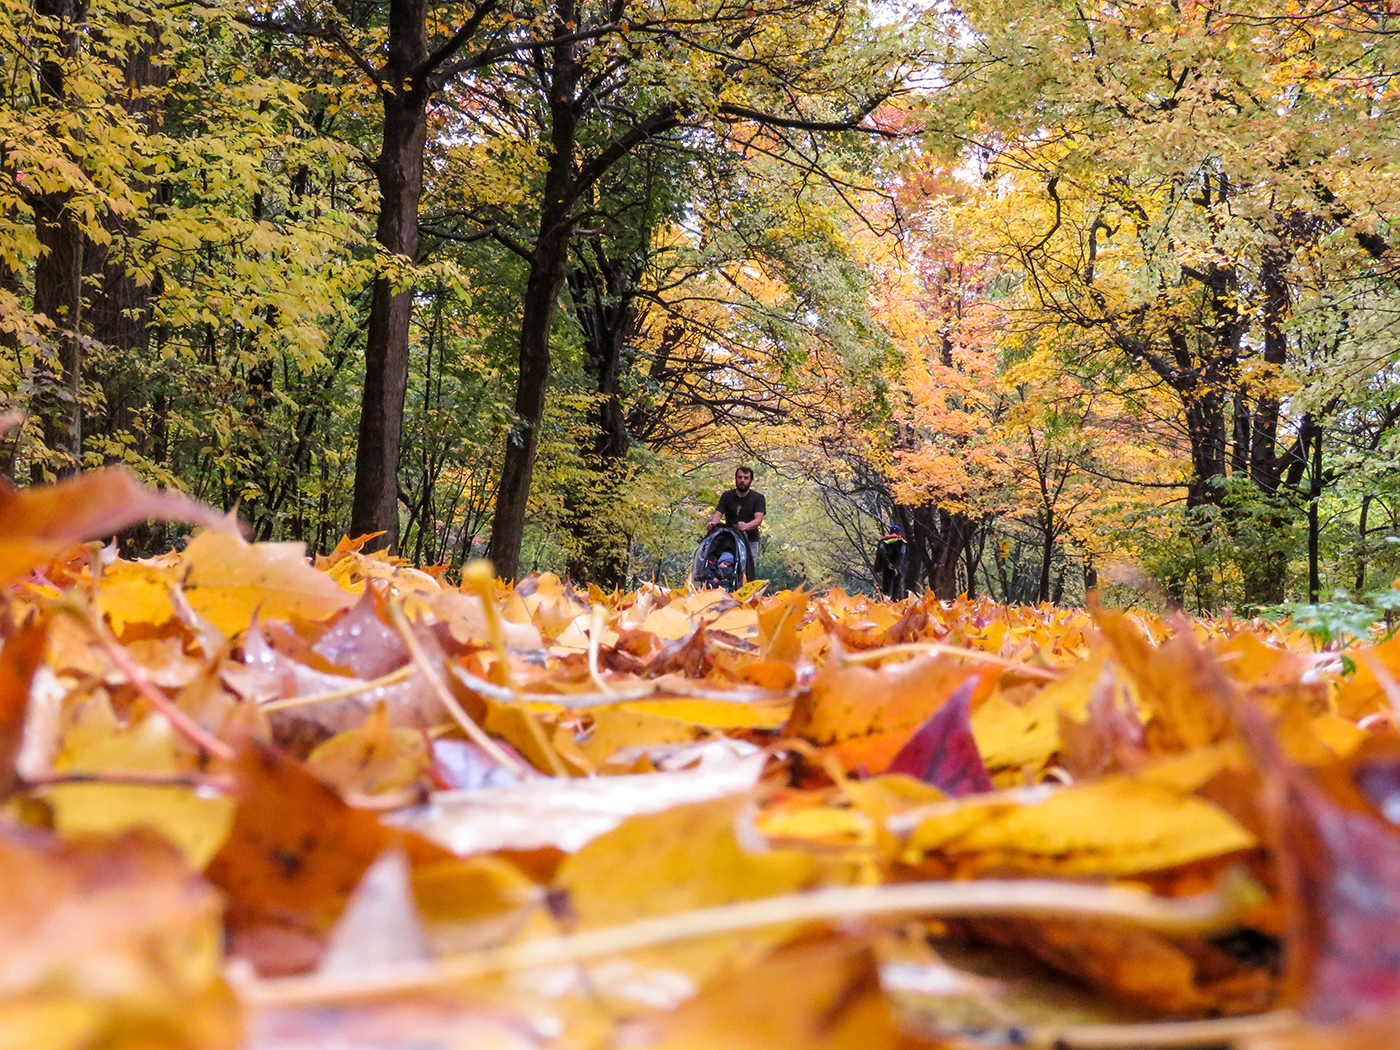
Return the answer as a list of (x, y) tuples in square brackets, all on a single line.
[(937, 539), (399, 171), (548, 270), (1047, 553), (119, 313), (58, 273), (603, 292)]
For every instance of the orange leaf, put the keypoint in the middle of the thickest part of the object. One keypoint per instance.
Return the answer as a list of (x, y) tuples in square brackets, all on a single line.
[(38, 522), (865, 716), (294, 855)]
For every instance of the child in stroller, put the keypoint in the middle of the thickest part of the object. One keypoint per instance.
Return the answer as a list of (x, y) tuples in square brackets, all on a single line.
[(721, 560)]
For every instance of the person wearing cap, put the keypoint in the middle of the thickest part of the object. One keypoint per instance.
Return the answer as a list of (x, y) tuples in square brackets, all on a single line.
[(742, 507), (889, 563)]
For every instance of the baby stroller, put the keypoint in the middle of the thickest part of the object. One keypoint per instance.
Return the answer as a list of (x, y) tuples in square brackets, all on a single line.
[(722, 559)]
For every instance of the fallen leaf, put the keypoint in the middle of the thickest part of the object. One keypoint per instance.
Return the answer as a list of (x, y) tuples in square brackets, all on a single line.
[(1120, 825), (778, 621), (109, 942), (36, 523), (294, 855), (20, 657), (227, 580), (673, 861), (808, 996), (864, 716), (942, 751), (566, 814), (196, 820), (373, 759)]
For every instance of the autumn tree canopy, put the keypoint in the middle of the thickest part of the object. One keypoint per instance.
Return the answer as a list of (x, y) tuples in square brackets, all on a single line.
[(1056, 290)]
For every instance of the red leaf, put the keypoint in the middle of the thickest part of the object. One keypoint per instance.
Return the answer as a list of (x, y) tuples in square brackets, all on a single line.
[(19, 659), (1349, 892), (942, 752)]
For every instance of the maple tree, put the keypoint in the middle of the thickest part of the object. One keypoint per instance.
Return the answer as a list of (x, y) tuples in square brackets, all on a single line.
[(1171, 190)]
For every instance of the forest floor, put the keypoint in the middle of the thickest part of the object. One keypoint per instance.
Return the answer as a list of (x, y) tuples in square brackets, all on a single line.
[(255, 801)]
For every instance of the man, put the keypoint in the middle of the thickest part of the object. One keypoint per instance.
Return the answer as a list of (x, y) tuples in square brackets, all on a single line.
[(743, 508), (889, 564)]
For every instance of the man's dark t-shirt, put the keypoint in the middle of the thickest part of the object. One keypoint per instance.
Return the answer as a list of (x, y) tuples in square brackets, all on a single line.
[(737, 508)]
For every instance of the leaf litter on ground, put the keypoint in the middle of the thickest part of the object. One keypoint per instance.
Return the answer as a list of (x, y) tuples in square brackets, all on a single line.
[(252, 800)]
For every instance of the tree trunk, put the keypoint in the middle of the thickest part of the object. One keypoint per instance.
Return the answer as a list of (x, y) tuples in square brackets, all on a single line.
[(399, 171), (58, 274), (1314, 527), (603, 295), (1047, 552), (541, 300), (936, 541), (119, 314), (548, 269), (1361, 543)]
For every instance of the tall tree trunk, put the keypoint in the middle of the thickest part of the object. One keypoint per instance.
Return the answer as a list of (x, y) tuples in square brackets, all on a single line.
[(547, 273), (119, 313), (548, 270), (399, 171), (1047, 552), (603, 295), (1264, 561), (1361, 543), (937, 540), (1314, 527), (59, 270)]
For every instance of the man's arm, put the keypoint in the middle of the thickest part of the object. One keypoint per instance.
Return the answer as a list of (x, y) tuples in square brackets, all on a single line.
[(747, 526), (714, 520)]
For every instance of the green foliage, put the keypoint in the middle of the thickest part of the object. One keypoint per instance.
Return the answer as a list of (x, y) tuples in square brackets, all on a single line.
[(1343, 620)]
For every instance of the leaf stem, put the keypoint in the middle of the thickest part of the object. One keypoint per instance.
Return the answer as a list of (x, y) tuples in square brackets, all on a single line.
[(392, 678), (1028, 897), (1217, 1031), (871, 656), (182, 723), (198, 781), (420, 660)]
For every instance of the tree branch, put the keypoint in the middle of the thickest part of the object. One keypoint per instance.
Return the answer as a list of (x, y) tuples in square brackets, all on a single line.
[(465, 32)]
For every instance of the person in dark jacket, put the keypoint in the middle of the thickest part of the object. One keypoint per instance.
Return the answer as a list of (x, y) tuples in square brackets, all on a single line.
[(742, 507), (889, 564)]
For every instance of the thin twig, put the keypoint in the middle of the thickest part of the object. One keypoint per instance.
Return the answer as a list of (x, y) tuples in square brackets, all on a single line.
[(692, 690), (181, 722), (392, 678), (1030, 897), (875, 655), (469, 726), (197, 781), (658, 690), (1218, 1031)]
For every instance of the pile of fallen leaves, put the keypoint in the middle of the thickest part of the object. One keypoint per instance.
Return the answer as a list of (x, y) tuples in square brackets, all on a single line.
[(249, 801)]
